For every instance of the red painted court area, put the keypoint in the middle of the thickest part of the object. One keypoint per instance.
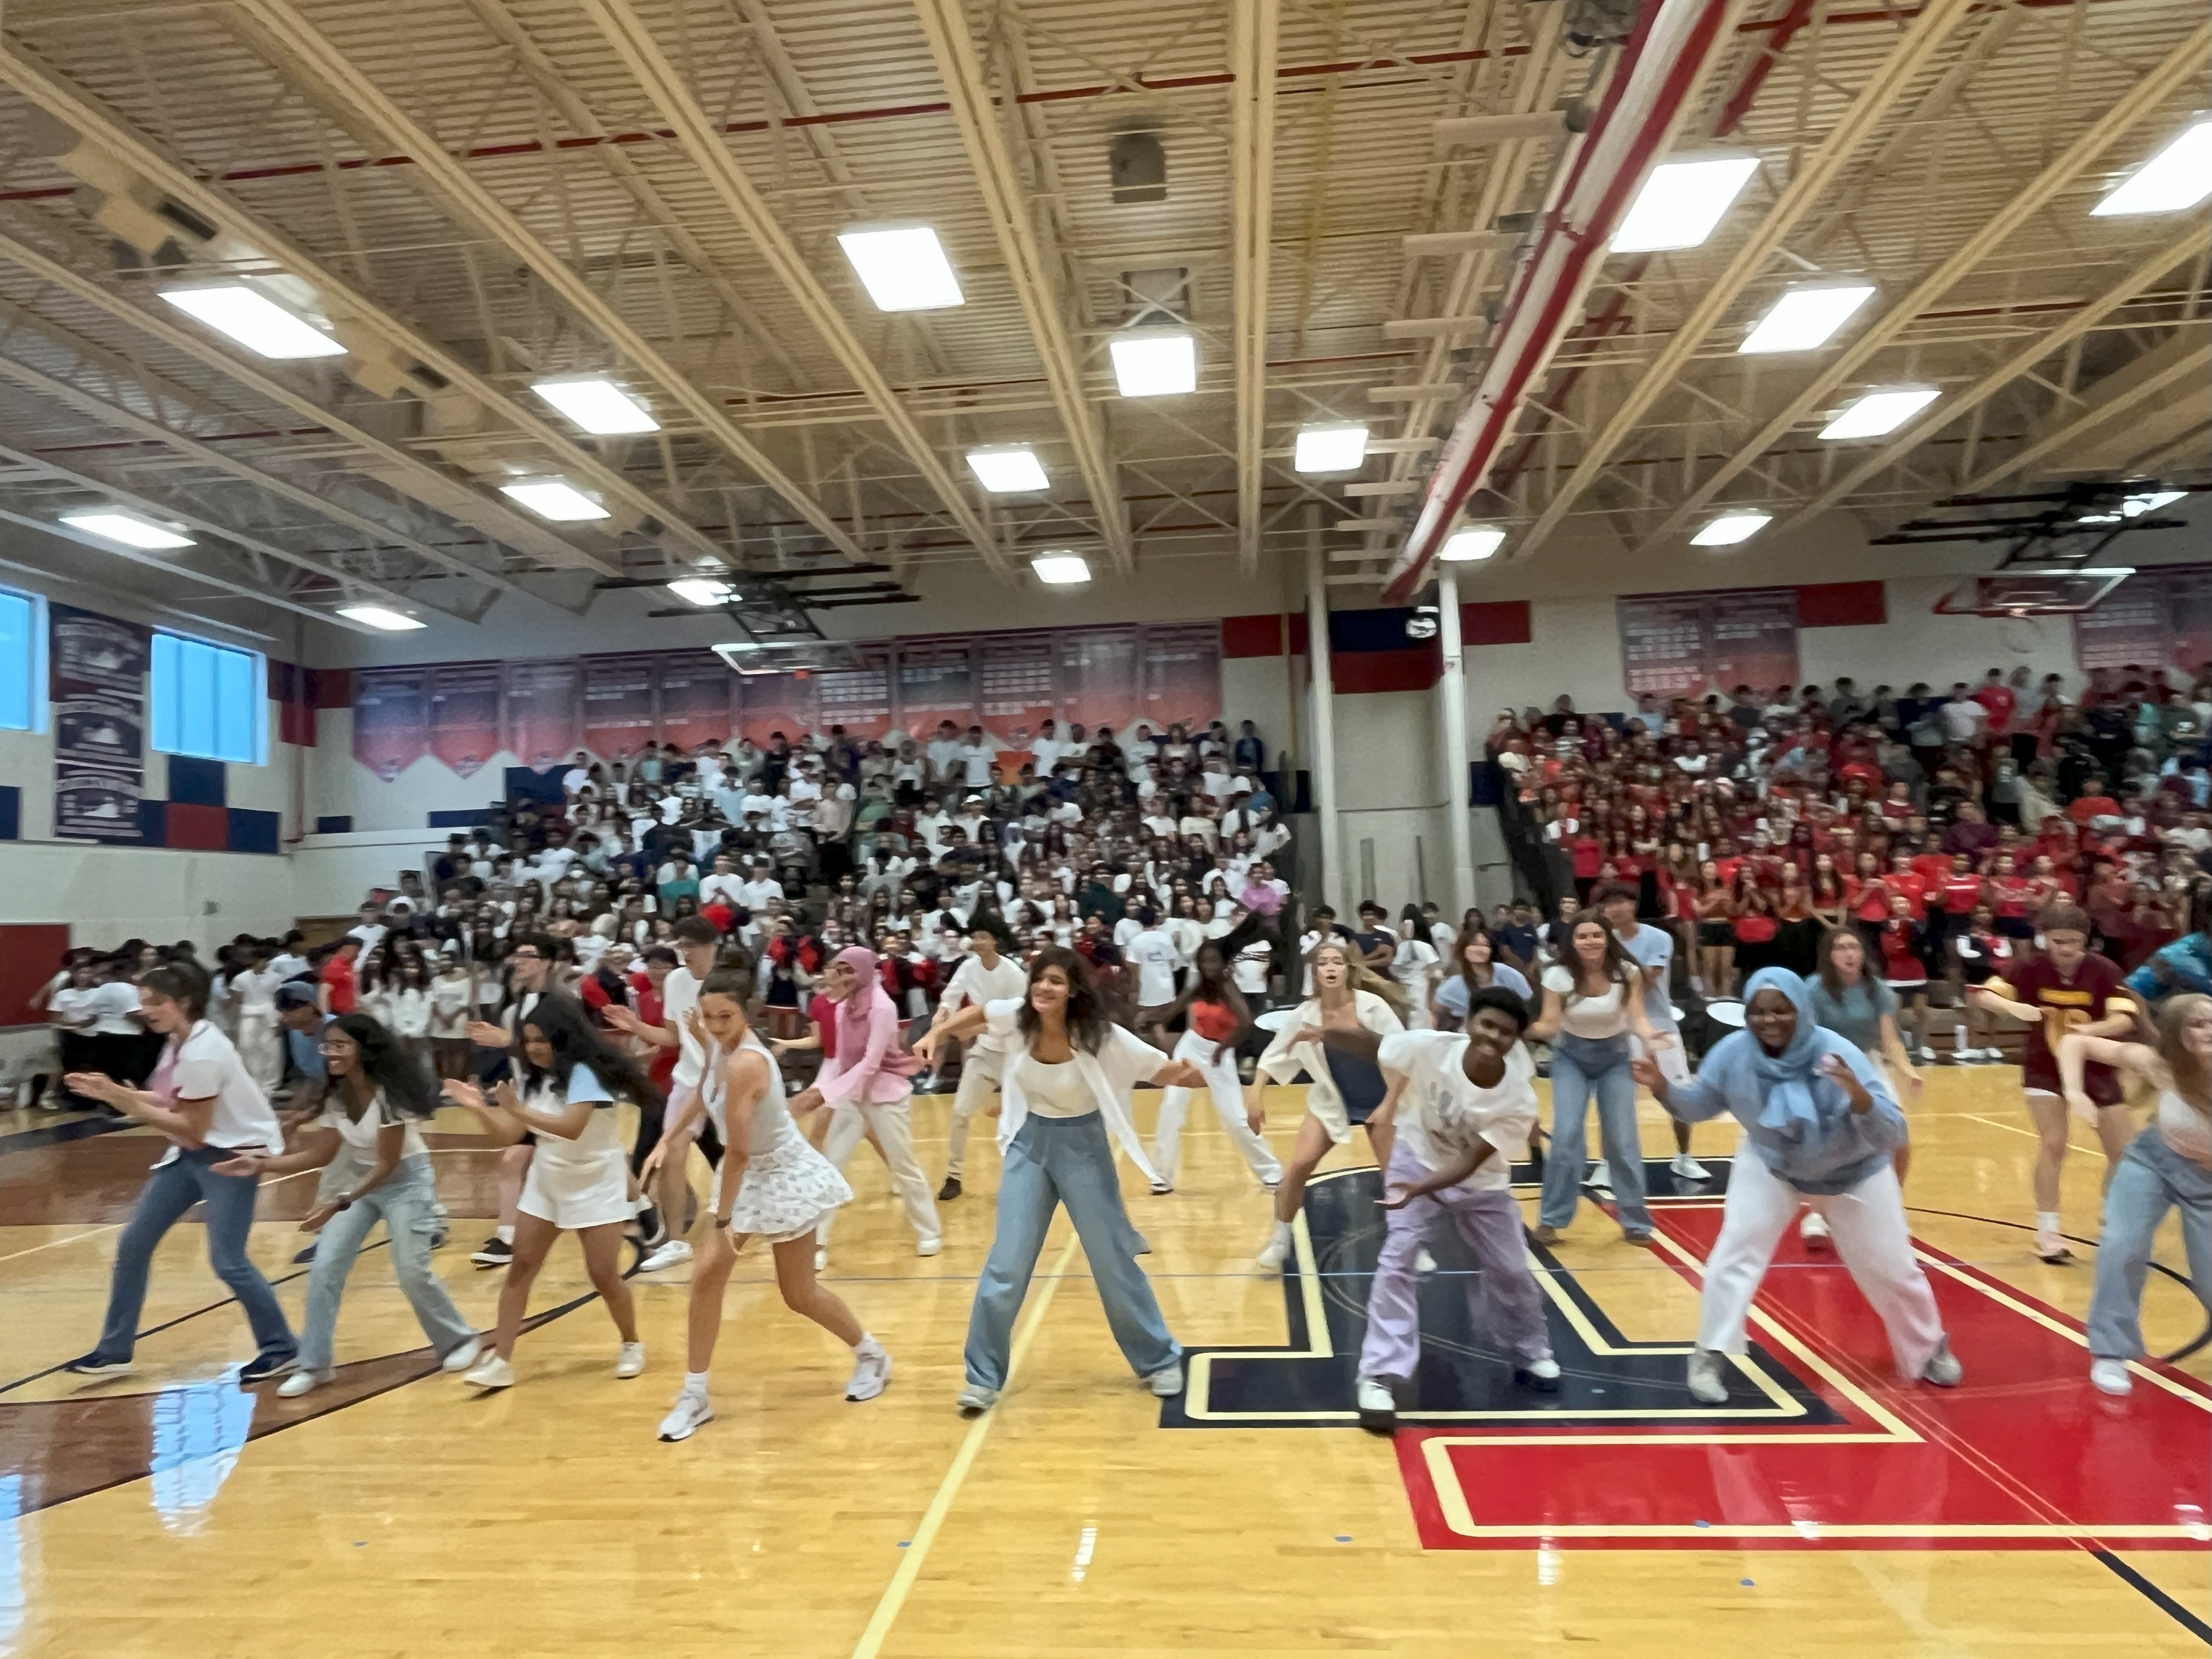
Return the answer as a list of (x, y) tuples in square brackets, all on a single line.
[(2026, 1455)]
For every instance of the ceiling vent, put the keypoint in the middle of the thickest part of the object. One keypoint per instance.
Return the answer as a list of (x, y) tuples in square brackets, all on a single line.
[(1138, 164)]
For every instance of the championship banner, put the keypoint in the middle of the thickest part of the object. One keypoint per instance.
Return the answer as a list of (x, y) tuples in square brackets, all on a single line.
[(1754, 638), (937, 682), (769, 703), (695, 700), (545, 718), (1663, 645), (391, 719), (1682, 645), (1015, 687), (97, 680), (464, 716), (1183, 676), (618, 717), (1098, 680), (2161, 618), (858, 699)]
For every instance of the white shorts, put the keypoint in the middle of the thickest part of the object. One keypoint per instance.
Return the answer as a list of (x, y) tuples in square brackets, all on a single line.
[(589, 1192), (1673, 1060)]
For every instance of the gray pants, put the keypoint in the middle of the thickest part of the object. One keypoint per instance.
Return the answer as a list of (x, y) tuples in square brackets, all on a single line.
[(403, 1203), (2150, 1180)]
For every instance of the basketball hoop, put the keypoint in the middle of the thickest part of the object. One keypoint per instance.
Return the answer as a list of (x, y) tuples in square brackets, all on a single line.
[(2032, 592)]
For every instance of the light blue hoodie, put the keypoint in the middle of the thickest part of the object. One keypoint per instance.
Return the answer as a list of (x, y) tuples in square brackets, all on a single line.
[(1799, 1123)]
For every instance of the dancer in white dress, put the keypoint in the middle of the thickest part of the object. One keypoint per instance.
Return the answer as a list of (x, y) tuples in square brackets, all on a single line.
[(771, 1184), (579, 1179)]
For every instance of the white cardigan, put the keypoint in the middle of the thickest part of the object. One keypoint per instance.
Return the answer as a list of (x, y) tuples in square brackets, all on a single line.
[(1123, 1061), (1285, 1058)]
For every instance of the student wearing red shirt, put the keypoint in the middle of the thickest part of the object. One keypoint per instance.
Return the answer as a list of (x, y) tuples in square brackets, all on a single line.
[(338, 986), (2093, 802), (2064, 992), (1906, 876), (2012, 896), (1904, 956), (2000, 699)]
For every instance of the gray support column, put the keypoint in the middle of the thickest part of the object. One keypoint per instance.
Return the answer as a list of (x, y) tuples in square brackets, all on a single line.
[(1451, 691), (1336, 877)]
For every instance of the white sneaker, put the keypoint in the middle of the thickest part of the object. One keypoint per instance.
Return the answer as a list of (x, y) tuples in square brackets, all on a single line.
[(1708, 1376), (975, 1397), (1689, 1169), (1276, 1250), (1378, 1406), (1995, 1056), (1600, 1177), (1943, 1369), (1423, 1261), (821, 1258), (2051, 1248), (928, 1246), (685, 1418), (1167, 1383), (629, 1359), (1162, 1188), (2105, 1376), (872, 1371), (674, 1253), (463, 1357), (490, 1373), (299, 1383), (1814, 1230), (1544, 1370)]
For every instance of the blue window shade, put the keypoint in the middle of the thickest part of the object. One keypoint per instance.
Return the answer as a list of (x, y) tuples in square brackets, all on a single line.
[(207, 701), (22, 663)]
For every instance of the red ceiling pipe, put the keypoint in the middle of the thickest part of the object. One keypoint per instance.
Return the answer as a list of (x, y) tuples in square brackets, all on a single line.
[(1739, 102), (1646, 102)]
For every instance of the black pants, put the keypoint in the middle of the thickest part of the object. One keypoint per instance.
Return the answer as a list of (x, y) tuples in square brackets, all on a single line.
[(649, 1121)]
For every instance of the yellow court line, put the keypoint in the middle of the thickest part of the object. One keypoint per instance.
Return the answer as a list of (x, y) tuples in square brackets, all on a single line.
[(2075, 1337), (893, 1601), (1813, 1531)]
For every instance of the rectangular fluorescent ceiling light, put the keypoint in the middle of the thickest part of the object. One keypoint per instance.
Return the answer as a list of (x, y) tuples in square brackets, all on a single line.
[(254, 320), (1882, 412), (1804, 318), (2150, 501), (1155, 362), (1008, 469), (1729, 528), (553, 498), (129, 531), (598, 405), (1681, 202), (376, 616), (1061, 569), (2175, 180), (702, 591), (1477, 541), (1330, 449), (903, 267)]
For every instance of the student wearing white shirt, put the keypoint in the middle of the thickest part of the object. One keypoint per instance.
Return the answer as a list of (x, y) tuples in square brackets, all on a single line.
[(1065, 1102), (1458, 1112), (1413, 966), (1150, 949), (726, 884), (1047, 749), (985, 976), (697, 945), (976, 756), (201, 1098), (760, 886), (1217, 1020), (944, 753), (377, 1099)]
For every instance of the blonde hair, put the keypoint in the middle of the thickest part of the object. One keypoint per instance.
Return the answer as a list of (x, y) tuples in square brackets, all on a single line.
[(2186, 1074), (1358, 976)]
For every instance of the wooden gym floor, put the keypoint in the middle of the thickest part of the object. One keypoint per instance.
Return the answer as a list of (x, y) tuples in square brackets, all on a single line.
[(1826, 1511)]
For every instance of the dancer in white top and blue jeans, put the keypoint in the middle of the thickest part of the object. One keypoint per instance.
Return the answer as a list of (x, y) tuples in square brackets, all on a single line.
[(1064, 1103), (202, 1098)]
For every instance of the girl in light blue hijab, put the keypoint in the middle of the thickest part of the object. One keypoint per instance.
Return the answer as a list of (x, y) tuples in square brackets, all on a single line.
[(1819, 1125)]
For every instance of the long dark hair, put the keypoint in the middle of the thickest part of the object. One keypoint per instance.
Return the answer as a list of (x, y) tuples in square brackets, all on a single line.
[(1086, 1018), (386, 1064), (566, 1025), (1615, 963), (1824, 969)]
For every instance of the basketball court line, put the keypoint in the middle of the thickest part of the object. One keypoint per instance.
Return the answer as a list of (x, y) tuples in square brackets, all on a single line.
[(117, 1226), (893, 1600)]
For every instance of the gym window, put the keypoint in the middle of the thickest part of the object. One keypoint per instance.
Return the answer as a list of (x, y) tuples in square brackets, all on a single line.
[(209, 701), (22, 662)]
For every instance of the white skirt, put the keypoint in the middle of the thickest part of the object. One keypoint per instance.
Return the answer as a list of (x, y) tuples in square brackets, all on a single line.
[(785, 1192), (593, 1191)]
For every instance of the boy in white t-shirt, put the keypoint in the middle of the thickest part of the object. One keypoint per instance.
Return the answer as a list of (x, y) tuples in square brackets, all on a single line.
[(1457, 1113), (983, 977)]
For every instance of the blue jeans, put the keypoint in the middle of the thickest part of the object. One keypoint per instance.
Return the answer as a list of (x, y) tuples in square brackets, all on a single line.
[(2150, 1179), (170, 1190), (1581, 1067), (1054, 1161), (407, 1204)]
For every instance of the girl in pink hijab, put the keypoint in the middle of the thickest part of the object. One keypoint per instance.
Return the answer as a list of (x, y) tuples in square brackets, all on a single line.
[(867, 1088)]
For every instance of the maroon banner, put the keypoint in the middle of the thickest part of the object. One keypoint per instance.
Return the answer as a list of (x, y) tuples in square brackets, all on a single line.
[(769, 703), (544, 719), (464, 716), (1017, 682), (858, 699), (618, 717), (1098, 678), (2157, 618), (937, 682), (1754, 638), (1680, 645), (1663, 645), (391, 719), (694, 701), (1183, 676)]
